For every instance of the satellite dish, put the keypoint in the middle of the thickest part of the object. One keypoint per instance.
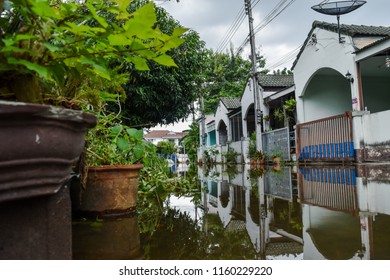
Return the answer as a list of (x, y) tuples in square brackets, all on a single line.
[(338, 8)]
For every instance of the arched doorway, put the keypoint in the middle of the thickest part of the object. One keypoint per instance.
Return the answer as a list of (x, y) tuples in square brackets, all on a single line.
[(250, 120), (222, 133), (327, 93)]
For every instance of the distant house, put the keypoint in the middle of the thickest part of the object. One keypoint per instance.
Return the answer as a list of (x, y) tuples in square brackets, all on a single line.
[(343, 93), (156, 136)]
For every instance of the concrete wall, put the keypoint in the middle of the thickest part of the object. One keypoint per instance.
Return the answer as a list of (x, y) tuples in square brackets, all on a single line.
[(324, 53)]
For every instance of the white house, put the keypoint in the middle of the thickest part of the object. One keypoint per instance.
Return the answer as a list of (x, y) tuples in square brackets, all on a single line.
[(343, 93), (234, 120), (156, 136)]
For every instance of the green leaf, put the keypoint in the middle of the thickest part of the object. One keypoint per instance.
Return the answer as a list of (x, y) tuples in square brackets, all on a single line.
[(120, 39), (99, 68), (165, 60), (41, 70), (115, 130), (123, 144), (145, 16), (135, 133), (123, 4), (51, 47), (139, 63), (43, 9), (101, 20), (138, 151)]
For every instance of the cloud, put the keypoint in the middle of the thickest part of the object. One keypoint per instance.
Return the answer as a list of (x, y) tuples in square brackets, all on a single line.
[(213, 18)]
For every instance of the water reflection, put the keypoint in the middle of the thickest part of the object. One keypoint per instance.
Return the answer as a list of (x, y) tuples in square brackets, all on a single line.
[(312, 212)]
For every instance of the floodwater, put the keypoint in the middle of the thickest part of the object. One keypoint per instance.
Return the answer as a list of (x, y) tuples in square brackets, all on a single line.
[(295, 213)]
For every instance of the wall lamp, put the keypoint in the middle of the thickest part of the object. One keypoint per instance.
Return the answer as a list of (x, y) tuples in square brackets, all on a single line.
[(349, 77)]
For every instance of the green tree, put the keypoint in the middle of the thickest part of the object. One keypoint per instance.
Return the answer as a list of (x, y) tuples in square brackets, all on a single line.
[(285, 71), (226, 76), (164, 95), (192, 142), (166, 148)]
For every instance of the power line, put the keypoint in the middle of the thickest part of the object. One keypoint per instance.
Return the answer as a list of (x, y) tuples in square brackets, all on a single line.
[(239, 19), (232, 30), (273, 14), (286, 58), (276, 11)]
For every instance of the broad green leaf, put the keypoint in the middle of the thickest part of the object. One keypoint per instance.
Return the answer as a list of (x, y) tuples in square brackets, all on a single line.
[(116, 130), (138, 151), (101, 20), (135, 133), (41, 70), (99, 69), (44, 10), (120, 39), (171, 44), (139, 63), (165, 60), (179, 31), (51, 47), (19, 37), (123, 4), (123, 144), (145, 15)]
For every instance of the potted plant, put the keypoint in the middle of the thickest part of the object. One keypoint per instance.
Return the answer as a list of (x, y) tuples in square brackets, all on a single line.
[(47, 52), (113, 161), (276, 157), (51, 55)]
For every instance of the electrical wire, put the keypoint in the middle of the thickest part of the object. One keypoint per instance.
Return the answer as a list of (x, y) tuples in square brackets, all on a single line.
[(232, 30), (284, 59)]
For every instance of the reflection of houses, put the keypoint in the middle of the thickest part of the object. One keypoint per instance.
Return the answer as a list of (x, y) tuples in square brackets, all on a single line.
[(342, 93), (345, 212), (234, 119), (240, 206)]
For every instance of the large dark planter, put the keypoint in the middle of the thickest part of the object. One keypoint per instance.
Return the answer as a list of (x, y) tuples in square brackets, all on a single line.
[(39, 145), (110, 189)]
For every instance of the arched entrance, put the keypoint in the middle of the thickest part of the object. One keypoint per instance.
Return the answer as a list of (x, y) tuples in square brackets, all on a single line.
[(328, 93), (222, 133), (250, 120)]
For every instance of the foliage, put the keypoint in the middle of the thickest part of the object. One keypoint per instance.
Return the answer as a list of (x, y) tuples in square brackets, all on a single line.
[(166, 147), (290, 108), (231, 156), (278, 114), (164, 95), (252, 152), (209, 155), (49, 47), (276, 154), (111, 142), (226, 76), (285, 71), (191, 142)]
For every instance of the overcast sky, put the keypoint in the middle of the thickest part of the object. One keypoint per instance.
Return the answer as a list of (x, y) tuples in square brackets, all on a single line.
[(212, 19)]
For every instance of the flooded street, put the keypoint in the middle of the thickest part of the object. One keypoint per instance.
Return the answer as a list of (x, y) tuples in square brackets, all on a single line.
[(295, 213)]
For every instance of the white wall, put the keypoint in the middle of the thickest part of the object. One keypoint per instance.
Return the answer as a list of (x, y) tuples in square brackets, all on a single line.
[(373, 127), (327, 52)]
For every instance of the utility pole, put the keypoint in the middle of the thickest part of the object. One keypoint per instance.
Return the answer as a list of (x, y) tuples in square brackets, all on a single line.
[(257, 98)]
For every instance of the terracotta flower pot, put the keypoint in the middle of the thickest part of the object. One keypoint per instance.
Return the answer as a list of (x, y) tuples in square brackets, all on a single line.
[(38, 147), (111, 189)]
